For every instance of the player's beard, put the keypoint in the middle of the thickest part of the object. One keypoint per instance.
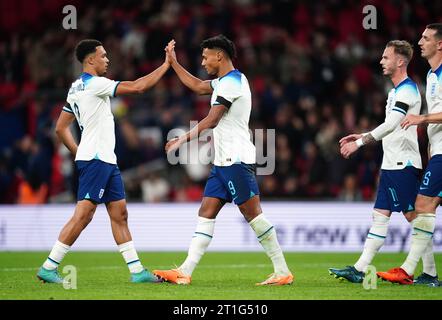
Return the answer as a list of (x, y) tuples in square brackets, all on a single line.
[(103, 73), (426, 54), (389, 72), (211, 72)]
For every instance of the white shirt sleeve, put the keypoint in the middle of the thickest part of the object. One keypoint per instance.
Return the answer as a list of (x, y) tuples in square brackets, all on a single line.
[(214, 83), (391, 123), (404, 100), (68, 108), (406, 96), (103, 87), (227, 91)]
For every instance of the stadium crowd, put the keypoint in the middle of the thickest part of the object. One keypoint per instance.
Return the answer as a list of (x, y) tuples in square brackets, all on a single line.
[(314, 73)]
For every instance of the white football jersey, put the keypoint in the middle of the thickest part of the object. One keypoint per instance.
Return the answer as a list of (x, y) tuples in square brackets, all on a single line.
[(434, 101), (231, 135), (401, 147), (89, 100)]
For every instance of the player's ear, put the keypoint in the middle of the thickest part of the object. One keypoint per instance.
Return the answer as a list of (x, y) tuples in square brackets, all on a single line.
[(90, 59)]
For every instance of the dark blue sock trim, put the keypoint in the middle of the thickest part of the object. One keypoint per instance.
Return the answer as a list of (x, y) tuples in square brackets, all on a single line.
[(265, 232), (376, 235), (204, 234), (424, 231), (57, 263)]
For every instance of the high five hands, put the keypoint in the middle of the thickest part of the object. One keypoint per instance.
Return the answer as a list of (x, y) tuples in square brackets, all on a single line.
[(170, 52)]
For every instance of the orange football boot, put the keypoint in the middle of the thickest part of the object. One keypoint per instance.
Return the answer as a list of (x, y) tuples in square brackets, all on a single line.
[(275, 280), (173, 276), (396, 275)]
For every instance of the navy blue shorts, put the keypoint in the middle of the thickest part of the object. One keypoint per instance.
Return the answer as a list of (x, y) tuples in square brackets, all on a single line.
[(398, 190), (431, 185), (99, 181), (235, 183)]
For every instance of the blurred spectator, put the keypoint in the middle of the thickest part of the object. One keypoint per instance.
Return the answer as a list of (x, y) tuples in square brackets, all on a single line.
[(187, 191), (314, 74), (155, 188), (350, 191), (269, 186), (32, 192)]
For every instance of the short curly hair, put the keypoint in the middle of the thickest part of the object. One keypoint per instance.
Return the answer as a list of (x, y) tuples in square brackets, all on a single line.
[(220, 42), (85, 47)]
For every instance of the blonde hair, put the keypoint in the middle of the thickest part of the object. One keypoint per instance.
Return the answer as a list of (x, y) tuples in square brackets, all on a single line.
[(402, 47)]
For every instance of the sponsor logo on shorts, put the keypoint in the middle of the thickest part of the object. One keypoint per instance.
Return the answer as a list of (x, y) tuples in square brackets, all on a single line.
[(100, 195)]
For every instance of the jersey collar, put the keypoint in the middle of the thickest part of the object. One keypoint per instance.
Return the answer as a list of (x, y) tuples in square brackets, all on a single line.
[(406, 80), (438, 71), (85, 77), (231, 71)]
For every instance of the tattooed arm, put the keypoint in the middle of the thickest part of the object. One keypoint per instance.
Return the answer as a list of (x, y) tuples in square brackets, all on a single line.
[(367, 139), (350, 146), (347, 149)]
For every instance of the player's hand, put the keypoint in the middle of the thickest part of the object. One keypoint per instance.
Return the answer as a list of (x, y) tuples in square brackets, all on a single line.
[(411, 120), (349, 138), (348, 149), (170, 52), (172, 145)]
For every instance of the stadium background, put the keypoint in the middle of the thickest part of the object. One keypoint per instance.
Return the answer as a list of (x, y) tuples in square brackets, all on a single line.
[(315, 77), (314, 73)]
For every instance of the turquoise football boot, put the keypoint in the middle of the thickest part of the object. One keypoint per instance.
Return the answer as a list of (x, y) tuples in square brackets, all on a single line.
[(349, 273), (144, 276), (425, 278), (49, 276)]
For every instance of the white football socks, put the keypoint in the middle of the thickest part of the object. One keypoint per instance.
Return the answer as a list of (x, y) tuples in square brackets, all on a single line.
[(422, 235), (428, 262), (130, 255), (375, 240), (57, 254), (266, 235), (200, 241)]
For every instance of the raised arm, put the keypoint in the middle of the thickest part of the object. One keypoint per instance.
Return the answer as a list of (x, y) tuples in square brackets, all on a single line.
[(64, 133), (142, 84), (201, 87)]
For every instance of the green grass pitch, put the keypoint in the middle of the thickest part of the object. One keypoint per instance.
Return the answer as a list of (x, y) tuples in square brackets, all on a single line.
[(220, 275)]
